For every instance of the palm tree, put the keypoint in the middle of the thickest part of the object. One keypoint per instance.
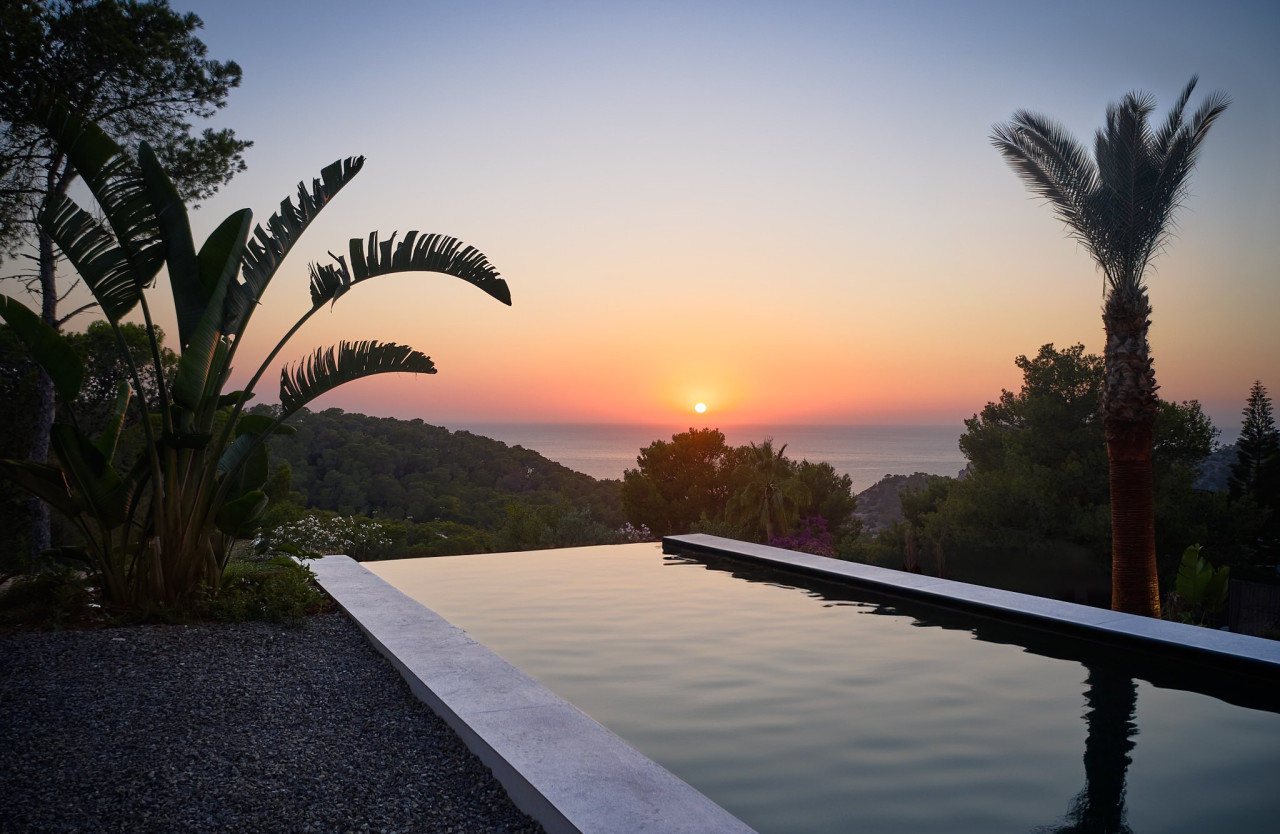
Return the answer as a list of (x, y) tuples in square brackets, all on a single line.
[(771, 494), (1119, 204)]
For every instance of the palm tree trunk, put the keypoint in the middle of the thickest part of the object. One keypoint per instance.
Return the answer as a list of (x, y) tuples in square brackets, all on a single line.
[(1134, 584), (1129, 408)]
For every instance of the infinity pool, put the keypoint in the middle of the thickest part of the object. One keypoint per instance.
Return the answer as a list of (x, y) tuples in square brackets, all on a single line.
[(807, 706)]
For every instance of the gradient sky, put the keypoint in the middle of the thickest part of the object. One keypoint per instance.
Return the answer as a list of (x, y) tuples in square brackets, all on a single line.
[(790, 211)]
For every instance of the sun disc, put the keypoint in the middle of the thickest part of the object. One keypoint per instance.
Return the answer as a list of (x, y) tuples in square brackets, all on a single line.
[(701, 408)]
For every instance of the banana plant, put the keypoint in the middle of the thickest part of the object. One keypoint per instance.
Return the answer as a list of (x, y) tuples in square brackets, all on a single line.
[(1201, 588), (161, 527)]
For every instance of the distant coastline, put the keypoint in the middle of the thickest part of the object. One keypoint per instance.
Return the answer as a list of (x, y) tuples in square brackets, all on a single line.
[(865, 453)]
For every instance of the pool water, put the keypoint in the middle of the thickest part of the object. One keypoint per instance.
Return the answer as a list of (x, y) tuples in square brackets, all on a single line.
[(804, 706)]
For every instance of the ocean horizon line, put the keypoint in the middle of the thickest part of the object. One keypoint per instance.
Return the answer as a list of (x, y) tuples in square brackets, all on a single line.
[(865, 452), (693, 424)]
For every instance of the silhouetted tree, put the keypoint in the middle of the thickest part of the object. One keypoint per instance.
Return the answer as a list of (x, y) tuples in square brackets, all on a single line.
[(1118, 204), (830, 498), (676, 483), (1257, 451)]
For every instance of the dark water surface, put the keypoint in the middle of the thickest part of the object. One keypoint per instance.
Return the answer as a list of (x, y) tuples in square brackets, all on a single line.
[(823, 709)]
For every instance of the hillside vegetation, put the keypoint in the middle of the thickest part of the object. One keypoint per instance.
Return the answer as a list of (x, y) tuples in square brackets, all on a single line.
[(425, 490)]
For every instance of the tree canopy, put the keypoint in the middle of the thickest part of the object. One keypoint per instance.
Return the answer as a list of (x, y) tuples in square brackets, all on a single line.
[(1036, 490), (135, 68), (677, 482), (696, 481)]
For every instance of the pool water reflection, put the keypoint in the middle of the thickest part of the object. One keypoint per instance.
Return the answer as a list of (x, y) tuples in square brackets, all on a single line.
[(803, 706)]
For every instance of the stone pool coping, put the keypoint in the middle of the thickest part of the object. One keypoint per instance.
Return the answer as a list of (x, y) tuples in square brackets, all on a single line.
[(1097, 623), (557, 764)]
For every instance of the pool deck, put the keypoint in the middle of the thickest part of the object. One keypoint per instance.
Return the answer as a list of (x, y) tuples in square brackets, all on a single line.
[(557, 764), (1069, 617)]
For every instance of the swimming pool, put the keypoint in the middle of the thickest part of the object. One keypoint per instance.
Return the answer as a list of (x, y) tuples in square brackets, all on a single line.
[(809, 706)]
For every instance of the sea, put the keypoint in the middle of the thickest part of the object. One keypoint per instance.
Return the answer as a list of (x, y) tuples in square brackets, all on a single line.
[(865, 453)]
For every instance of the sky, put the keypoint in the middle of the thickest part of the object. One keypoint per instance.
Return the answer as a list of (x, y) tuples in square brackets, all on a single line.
[(788, 211)]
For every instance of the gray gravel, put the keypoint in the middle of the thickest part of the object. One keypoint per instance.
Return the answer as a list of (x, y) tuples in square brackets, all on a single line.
[(251, 727)]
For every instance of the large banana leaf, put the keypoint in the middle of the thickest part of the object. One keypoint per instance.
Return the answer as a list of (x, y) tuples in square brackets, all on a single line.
[(110, 436), (93, 251), (199, 370), (94, 480), (115, 181), (190, 295), (328, 368), (246, 459), (219, 264), (256, 424), (43, 481), (426, 253), (240, 517), (46, 346), (268, 247)]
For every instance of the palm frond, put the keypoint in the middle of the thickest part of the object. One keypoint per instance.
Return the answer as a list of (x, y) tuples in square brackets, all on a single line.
[(1053, 165), (1205, 116), (1120, 202), (1173, 122), (269, 246), (328, 368), (416, 253)]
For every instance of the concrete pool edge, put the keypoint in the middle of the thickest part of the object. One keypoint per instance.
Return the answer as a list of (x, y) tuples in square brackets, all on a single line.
[(1169, 637), (558, 765)]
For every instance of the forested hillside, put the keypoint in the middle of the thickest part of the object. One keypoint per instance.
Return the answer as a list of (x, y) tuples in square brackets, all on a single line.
[(355, 464), (424, 484)]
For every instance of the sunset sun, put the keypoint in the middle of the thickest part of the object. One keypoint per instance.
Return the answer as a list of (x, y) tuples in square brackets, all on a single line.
[(701, 408)]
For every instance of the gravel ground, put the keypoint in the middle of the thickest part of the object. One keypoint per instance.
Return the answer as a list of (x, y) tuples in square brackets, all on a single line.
[(252, 727)]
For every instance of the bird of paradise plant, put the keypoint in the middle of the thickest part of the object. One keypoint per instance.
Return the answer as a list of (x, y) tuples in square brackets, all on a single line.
[(161, 527)]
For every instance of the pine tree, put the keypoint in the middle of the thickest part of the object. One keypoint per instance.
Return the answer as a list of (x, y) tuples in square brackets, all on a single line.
[(1257, 451)]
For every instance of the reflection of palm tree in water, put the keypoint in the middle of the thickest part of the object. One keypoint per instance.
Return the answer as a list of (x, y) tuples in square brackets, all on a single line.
[(1112, 698)]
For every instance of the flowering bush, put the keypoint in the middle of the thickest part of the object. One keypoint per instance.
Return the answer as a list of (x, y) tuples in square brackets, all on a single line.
[(812, 536), (323, 534), (630, 533)]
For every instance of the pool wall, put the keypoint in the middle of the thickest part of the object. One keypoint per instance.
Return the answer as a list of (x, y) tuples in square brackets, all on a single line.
[(1175, 640), (557, 764), (572, 775)]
